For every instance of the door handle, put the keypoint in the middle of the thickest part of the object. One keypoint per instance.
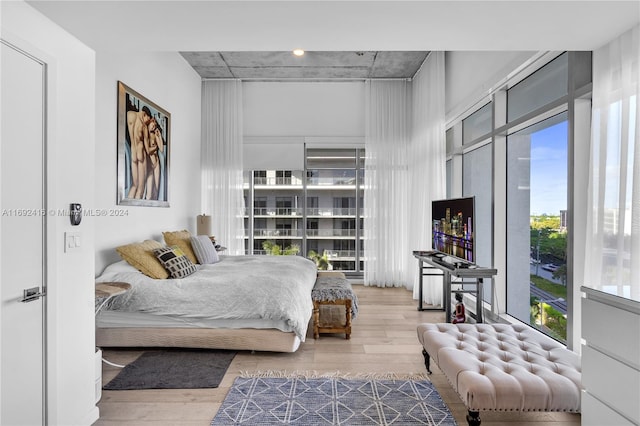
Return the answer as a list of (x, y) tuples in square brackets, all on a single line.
[(31, 294)]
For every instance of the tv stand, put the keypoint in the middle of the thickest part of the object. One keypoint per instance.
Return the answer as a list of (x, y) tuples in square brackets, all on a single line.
[(451, 268)]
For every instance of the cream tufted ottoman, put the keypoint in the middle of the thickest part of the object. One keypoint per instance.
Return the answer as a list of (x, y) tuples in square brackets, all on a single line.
[(503, 367)]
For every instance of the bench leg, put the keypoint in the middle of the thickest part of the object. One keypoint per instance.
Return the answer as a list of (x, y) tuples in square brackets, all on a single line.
[(316, 319), (347, 326), (427, 361), (473, 418)]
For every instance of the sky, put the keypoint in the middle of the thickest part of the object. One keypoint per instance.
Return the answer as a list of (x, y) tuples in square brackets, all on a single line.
[(549, 170)]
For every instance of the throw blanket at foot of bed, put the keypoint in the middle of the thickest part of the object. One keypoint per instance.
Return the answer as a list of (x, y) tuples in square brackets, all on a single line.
[(332, 289), (503, 367)]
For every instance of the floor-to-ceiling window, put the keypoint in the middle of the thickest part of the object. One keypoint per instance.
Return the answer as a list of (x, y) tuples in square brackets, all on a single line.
[(537, 176), (537, 172), (477, 176), (477, 182), (273, 224), (515, 152), (312, 212)]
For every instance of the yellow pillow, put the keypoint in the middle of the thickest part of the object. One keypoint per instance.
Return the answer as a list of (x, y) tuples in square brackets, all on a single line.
[(141, 256), (181, 239)]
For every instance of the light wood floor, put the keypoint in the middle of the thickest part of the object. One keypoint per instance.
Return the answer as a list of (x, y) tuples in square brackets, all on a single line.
[(383, 340)]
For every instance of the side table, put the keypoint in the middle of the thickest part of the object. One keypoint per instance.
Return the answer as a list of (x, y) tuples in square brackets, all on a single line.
[(105, 291)]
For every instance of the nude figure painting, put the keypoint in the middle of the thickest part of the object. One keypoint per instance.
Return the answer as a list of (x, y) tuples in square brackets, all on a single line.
[(143, 150)]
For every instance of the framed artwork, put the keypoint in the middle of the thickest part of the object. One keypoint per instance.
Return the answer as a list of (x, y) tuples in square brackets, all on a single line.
[(144, 131)]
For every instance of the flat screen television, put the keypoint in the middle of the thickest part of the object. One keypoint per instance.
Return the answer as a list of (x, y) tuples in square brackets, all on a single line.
[(453, 227)]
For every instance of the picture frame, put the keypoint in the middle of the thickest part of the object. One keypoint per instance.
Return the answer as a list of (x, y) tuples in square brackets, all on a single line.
[(144, 133)]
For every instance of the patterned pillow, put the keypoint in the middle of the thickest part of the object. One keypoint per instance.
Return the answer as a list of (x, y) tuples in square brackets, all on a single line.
[(181, 239), (142, 257), (204, 249), (174, 261)]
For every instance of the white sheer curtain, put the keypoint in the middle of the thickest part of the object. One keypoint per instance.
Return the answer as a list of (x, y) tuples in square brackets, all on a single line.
[(221, 162), (404, 172), (386, 180), (427, 165), (612, 262)]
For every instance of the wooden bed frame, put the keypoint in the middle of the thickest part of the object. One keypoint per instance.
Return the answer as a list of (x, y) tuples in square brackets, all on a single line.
[(267, 339), (251, 339)]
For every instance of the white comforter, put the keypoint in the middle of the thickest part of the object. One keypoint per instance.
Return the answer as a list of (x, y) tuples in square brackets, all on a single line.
[(237, 287)]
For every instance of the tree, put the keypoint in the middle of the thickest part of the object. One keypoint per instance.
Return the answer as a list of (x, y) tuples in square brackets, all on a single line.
[(545, 222), (549, 239), (322, 262), (561, 274), (535, 309), (274, 249)]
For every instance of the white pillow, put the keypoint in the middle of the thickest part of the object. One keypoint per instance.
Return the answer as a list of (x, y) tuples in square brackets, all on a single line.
[(204, 249)]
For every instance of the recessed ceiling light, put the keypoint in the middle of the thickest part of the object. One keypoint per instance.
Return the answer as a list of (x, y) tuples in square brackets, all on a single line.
[(298, 52)]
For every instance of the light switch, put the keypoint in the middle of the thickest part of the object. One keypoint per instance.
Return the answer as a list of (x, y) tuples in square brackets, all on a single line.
[(72, 241)]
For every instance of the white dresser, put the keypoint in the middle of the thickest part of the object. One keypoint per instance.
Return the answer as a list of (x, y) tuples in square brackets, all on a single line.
[(610, 359)]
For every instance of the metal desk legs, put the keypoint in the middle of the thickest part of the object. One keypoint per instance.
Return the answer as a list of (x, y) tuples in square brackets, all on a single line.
[(421, 274), (479, 300), (478, 294)]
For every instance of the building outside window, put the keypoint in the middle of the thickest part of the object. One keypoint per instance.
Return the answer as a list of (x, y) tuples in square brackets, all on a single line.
[(319, 213)]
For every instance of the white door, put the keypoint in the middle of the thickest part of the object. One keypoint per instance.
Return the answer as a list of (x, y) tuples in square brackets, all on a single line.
[(22, 259)]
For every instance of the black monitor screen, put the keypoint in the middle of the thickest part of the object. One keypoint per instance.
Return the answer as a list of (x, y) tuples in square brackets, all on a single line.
[(453, 227)]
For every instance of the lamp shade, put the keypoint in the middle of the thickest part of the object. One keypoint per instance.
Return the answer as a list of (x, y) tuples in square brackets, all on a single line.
[(203, 224)]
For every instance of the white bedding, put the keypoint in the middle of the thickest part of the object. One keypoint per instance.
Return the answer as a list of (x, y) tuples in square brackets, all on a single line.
[(239, 290)]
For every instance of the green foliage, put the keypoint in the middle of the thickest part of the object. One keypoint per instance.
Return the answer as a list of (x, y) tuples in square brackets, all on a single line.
[(557, 290), (274, 249), (561, 274), (555, 321), (556, 245), (322, 262), (551, 242), (545, 222), (535, 309), (552, 319)]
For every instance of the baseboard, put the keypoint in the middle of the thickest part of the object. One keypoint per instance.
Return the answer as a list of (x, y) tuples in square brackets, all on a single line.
[(91, 417)]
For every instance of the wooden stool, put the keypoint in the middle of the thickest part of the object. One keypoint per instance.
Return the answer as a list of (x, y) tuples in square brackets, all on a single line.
[(333, 289)]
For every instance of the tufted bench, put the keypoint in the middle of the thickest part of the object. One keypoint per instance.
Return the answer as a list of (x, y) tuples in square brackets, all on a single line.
[(503, 367)]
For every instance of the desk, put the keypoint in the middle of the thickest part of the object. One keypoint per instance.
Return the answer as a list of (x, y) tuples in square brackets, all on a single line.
[(457, 268)]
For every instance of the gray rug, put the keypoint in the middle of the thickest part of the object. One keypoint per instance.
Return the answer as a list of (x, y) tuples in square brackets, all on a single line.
[(174, 369), (332, 401)]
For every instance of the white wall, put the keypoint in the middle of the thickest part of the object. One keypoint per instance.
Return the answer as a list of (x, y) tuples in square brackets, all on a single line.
[(168, 81), (303, 109), (70, 178)]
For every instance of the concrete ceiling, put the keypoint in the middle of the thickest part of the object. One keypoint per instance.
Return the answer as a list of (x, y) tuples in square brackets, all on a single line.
[(313, 65), (260, 28)]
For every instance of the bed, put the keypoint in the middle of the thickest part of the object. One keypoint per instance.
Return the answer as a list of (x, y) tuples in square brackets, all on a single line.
[(260, 303)]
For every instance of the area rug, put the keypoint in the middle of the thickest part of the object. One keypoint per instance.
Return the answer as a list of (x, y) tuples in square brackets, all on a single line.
[(332, 401), (174, 369)]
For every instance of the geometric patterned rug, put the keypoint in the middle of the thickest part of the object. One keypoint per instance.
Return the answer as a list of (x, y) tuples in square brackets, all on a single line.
[(254, 401)]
